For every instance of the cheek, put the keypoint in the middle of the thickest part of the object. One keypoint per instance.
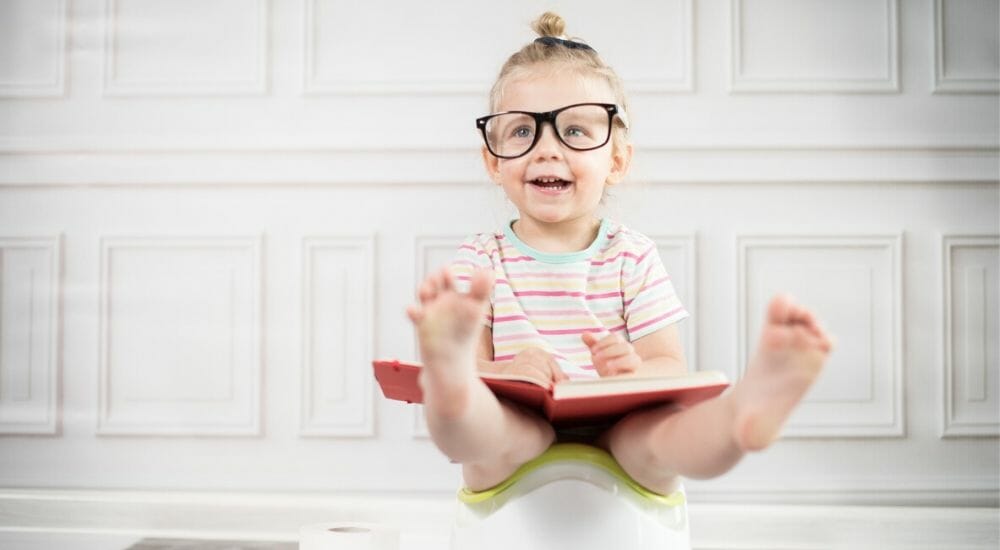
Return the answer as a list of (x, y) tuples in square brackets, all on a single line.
[(511, 170)]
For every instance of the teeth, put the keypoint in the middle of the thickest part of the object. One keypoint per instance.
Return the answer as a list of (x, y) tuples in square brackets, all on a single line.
[(549, 180)]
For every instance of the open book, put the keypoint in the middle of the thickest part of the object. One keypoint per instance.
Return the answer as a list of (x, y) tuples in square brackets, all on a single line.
[(571, 402)]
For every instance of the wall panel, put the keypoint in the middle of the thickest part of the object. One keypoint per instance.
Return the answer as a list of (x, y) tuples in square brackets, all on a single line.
[(854, 285), (815, 45), (180, 336), (170, 144), (966, 46), (338, 299), (216, 47), (972, 374), (30, 319), (33, 48)]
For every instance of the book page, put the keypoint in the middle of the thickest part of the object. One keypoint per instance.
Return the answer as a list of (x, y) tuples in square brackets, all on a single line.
[(631, 384)]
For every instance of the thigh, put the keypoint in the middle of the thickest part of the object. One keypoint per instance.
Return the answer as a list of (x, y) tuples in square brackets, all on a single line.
[(525, 435)]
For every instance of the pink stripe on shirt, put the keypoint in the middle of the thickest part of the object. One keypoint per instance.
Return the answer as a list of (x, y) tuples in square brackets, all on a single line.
[(666, 315), (554, 332)]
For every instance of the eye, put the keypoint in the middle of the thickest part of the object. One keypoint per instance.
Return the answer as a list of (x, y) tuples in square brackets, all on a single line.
[(522, 132), (575, 131)]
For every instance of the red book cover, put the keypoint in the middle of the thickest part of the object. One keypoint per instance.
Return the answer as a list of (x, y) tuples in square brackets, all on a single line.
[(573, 402)]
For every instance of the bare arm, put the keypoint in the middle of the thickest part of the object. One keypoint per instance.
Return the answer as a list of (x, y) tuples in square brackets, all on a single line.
[(661, 352)]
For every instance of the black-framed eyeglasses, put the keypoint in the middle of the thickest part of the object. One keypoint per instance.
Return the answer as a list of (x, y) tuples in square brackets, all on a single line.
[(581, 127)]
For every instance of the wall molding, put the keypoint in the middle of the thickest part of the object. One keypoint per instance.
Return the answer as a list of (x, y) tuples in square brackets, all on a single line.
[(313, 86), (234, 416), (888, 406), (945, 84), (685, 82), (39, 411), (55, 87), (952, 426), (740, 83), (355, 307), (32, 166), (115, 86)]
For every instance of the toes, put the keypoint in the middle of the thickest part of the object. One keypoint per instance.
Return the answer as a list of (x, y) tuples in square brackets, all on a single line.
[(435, 284), (777, 338), (826, 342), (803, 317), (425, 291), (779, 311), (415, 313), (429, 289), (784, 310), (446, 281), (481, 284)]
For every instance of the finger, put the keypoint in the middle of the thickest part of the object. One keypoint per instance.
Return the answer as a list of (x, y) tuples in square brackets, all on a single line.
[(557, 373), (542, 373), (591, 339), (623, 365), (614, 350), (601, 366), (607, 343), (606, 369)]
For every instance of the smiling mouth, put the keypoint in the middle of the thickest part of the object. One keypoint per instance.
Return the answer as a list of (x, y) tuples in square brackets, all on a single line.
[(550, 184)]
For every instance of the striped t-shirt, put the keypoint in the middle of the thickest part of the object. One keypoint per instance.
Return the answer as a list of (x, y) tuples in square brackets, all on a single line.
[(547, 300)]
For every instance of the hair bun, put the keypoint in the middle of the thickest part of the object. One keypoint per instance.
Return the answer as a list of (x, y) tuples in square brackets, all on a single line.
[(549, 24)]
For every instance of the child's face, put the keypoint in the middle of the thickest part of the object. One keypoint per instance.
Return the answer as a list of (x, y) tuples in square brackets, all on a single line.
[(586, 171)]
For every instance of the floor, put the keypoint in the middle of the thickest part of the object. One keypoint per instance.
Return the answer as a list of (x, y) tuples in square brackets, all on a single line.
[(181, 544), (26, 540), (84, 541)]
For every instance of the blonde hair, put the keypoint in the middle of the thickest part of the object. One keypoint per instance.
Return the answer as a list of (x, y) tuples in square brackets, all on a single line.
[(537, 56)]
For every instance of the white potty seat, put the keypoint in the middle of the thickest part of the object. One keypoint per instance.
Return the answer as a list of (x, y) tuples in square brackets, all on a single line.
[(572, 496)]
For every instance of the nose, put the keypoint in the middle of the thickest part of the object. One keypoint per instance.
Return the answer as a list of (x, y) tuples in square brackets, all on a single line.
[(548, 145)]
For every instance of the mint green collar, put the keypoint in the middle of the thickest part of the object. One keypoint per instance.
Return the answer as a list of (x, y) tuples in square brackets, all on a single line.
[(562, 257)]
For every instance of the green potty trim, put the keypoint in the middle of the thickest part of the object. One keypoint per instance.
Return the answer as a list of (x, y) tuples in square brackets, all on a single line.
[(572, 452)]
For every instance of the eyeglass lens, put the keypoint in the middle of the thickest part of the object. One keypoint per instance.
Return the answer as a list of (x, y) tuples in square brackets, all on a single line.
[(581, 127)]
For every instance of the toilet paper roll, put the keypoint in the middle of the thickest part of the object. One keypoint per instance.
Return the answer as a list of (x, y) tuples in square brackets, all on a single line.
[(348, 536)]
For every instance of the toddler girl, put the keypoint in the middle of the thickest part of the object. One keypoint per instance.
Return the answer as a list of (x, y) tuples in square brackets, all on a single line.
[(565, 294)]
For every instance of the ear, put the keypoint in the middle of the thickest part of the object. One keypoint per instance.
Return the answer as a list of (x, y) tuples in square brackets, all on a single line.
[(621, 161), (492, 165)]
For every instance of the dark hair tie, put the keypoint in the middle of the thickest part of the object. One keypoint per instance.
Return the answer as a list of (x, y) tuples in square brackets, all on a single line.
[(553, 41)]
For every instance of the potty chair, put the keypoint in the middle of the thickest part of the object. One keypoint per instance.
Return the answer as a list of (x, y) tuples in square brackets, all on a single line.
[(572, 496)]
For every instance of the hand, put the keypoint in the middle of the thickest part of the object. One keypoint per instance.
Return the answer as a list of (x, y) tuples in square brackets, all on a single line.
[(536, 363), (612, 355)]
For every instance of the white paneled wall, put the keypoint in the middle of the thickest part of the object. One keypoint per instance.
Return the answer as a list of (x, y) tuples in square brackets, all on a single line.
[(180, 336), (853, 285), (29, 335), (815, 45), (213, 214)]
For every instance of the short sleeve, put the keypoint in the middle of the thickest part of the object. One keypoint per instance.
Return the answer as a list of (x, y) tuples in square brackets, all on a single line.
[(649, 297), (472, 255)]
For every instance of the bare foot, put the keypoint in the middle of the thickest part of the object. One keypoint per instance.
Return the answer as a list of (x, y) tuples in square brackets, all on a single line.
[(792, 350), (448, 326)]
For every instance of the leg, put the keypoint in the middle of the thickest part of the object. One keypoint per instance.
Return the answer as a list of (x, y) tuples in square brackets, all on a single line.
[(708, 439), (466, 421)]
